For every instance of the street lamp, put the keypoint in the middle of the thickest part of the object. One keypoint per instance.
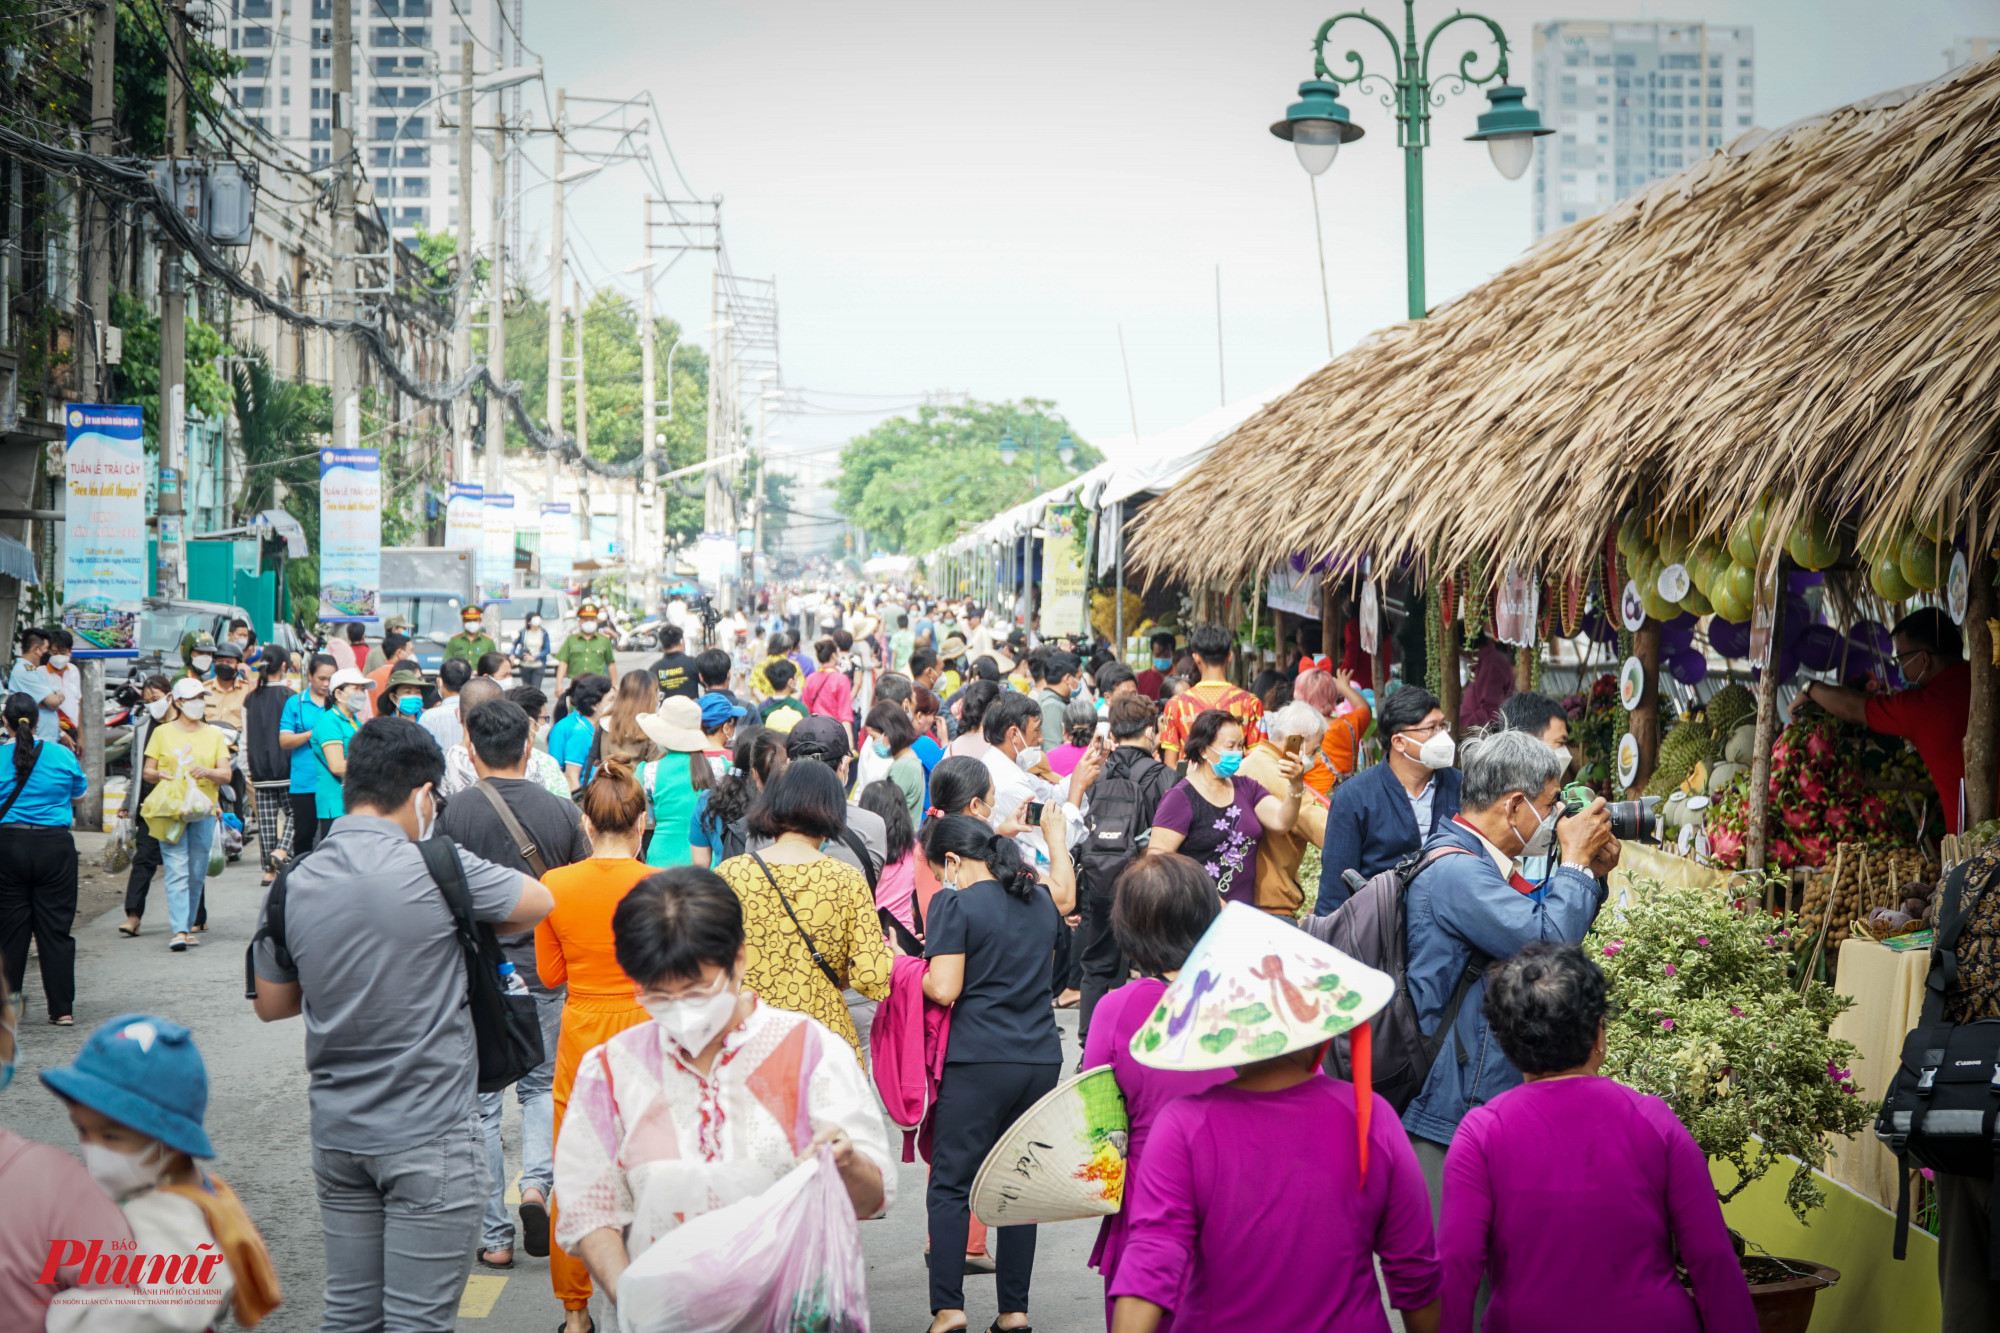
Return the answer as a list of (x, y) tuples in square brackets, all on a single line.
[(1010, 449), (1317, 124)]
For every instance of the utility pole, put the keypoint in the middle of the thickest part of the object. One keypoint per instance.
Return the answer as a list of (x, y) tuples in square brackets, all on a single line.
[(346, 374), (648, 505), (496, 327), (103, 65), (712, 492), (582, 408), (173, 334), (461, 462), (555, 280)]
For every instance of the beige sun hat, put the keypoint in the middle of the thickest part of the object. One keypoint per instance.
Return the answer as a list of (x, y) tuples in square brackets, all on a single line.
[(676, 726)]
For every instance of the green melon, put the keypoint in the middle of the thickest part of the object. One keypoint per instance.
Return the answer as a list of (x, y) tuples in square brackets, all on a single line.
[(1733, 593), (1815, 540), (1697, 603), (1704, 560), (1632, 533), (1886, 578), (1675, 536), (1746, 539), (1917, 558)]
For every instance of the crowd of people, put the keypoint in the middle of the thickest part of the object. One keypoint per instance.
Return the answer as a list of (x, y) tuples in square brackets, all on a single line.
[(850, 861)]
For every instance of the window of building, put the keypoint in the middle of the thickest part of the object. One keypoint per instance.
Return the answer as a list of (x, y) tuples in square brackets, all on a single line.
[(322, 9), (384, 67), (284, 127), (256, 9), (381, 159), (380, 96), (1569, 215), (1743, 63), (1743, 120), (1715, 62), (256, 37), (262, 124), (285, 95), (413, 217), (322, 99), (386, 8), (1743, 101), (385, 127), (1743, 80), (322, 40), (415, 64), (322, 67), (322, 127), (321, 156), (257, 67), (452, 187), (251, 97), (416, 187), (414, 158)]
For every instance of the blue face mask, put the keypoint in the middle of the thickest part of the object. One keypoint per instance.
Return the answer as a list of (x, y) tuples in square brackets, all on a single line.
[(881, 749), (410, 705), (1227, 764), (1163, 664)]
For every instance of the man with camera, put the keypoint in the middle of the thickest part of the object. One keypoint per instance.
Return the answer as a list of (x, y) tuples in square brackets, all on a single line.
[(1471, 906)]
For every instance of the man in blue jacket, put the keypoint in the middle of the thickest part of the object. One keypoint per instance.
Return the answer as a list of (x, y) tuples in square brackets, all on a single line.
[(1383, 813), (1478, 908)]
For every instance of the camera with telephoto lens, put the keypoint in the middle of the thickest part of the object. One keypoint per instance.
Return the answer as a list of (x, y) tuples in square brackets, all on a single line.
[(1631, 821)]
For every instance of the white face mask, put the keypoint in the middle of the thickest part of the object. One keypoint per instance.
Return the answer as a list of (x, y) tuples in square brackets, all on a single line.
[(1545, 833), (695, 1021), (427, 821), (192, 709), (1562, 753), (1437, 752), (588, 626), (121, 1173), (1029, 757), (59, 662), (158, 708), (202, 661)]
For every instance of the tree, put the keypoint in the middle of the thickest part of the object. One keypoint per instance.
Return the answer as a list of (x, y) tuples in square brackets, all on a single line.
[(279, 422), (137, 375), (911, 482)]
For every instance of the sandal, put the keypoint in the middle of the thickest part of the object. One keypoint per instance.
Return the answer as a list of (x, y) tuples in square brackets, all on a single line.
[(535, 1227), (179, 944), (484, 1262), (129, 928), (994, 1327), (64, 1021)]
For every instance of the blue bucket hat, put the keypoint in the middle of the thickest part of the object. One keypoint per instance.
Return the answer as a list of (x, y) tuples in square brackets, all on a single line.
[(144, 1072), (717, 709)]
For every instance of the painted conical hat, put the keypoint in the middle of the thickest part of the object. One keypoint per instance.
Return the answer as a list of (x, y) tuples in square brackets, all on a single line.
[(1254, 987), (1063, 1159)]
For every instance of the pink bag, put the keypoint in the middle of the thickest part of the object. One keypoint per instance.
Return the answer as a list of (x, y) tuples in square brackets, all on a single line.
[(786, 1260)]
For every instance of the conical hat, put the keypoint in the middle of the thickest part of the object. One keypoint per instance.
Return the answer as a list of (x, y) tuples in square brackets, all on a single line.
[(1063, 1159), (1252, 988)]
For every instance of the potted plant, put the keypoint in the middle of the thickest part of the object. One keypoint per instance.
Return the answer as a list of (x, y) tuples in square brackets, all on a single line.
[(1707, 1016)]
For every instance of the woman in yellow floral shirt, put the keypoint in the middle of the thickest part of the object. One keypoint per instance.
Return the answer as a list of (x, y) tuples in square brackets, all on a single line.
[(809, 920)]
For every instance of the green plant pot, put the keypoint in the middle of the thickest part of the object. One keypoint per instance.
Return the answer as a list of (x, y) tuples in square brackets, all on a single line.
[(1786, 1307)]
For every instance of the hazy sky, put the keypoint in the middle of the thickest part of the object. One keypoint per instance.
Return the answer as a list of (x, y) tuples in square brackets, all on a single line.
[(977, 197)]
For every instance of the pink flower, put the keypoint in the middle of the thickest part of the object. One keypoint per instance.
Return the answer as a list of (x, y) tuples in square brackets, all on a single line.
[(1734, 1012), (1667, 1023), (1702, 940), (1611, 949), (1670, 969)]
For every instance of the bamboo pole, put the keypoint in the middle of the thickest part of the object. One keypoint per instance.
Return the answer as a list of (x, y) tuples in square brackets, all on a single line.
[(1767, 736), (1983, 715), (1454, 691), (1329, 623), (1646, 717)]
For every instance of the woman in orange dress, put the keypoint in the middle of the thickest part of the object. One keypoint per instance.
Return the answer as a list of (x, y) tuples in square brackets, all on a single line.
[(573, 945)]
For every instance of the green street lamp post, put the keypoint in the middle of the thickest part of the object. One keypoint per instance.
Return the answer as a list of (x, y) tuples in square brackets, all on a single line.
[(1010, 449), (1317, 124)]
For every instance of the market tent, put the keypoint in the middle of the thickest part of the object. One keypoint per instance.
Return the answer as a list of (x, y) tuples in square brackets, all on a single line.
[(1809, 313)]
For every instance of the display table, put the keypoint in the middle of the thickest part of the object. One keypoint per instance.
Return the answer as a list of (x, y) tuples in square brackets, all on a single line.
[(1888, 991)]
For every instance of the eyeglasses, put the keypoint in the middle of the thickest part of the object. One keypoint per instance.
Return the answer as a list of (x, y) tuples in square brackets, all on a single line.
[(1903, 659), (1427, 731)]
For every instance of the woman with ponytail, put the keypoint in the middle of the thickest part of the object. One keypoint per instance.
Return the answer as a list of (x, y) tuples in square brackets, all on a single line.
[(721, 828), (990, 938), (38, 857), (575, 946)]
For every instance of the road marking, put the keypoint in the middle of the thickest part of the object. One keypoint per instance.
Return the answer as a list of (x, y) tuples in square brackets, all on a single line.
[(513, 1194), (481, 1294)]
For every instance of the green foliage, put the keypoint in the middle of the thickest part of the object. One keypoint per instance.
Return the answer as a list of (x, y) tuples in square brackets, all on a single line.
[(138, 372), (280, 424), (143, 66), (612, 364), (910, 482), (1707, 1016), (779, 502), (438, 252)]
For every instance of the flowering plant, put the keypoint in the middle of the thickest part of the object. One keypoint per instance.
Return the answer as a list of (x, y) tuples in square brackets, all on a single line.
[(1707, 1016)]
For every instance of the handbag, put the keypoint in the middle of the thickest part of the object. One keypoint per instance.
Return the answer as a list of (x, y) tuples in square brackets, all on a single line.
[(818, 958)]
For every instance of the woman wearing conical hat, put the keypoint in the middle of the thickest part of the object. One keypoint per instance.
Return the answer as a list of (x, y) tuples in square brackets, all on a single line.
[(1214, 1234)]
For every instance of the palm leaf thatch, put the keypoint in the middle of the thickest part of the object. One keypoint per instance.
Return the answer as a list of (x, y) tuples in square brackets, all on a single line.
[(1811, 313)]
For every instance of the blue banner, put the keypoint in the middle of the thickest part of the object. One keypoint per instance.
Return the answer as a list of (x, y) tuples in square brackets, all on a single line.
[(462, 522), (350, 534), (104, 529)]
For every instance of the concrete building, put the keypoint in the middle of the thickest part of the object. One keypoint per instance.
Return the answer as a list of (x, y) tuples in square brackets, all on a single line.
[(406, 68), (1631, 103)]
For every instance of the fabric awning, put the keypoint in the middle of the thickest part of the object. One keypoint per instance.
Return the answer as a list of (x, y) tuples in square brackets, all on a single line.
[(17, 561)]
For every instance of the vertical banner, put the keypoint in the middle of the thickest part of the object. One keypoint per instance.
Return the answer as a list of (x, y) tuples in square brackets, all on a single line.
[(1370, 620), (1293, 591), (558, 543), (1064, 606), (1514, 609), (104, 555), (464, 523), (350, 533), (496, 556)]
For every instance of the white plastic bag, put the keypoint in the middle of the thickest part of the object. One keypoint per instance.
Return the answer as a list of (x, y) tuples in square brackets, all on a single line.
[(787, 1260)]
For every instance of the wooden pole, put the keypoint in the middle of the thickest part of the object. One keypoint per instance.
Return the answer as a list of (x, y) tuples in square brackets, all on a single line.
[(1329, 622), (1767, 736), (1454, 648), (1984, 714), (1646, 717)]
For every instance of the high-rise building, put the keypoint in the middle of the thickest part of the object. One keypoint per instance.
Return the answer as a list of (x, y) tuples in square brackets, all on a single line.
[(406, 68), (1970, 51), (1632, 102)]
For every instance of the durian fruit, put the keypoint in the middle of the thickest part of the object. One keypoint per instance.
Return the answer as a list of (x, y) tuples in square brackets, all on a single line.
[(1730, 707), (1721, 776), (1742, 746), (1685, 746)]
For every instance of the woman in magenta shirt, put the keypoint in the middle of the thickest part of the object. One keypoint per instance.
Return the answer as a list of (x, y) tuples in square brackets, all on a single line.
[(1572, 1193), (1161, 904)]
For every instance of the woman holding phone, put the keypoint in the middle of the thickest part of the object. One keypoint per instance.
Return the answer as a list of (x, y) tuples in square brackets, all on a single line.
[(1216, 815)]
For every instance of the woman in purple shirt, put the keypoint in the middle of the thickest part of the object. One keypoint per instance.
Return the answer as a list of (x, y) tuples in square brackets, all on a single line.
[(1214, 816), (1160, 906), (1572, 1192)]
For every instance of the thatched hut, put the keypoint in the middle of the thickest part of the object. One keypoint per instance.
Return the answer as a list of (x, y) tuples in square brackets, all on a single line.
[(1811, 314)]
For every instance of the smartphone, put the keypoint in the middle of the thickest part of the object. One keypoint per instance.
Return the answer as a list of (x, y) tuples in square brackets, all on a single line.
[(1292, 745), (1035, 809)]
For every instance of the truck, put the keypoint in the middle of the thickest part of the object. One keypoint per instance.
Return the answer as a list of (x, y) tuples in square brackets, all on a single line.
[(427, 586)]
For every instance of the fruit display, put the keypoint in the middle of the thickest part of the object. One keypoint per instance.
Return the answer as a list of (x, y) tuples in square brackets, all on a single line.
[(1730, 707), (1875, 893), (1684, 748), (1820, 796)]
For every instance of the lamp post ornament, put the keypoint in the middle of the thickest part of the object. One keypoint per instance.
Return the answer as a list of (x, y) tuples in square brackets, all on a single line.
[(1318, 124)]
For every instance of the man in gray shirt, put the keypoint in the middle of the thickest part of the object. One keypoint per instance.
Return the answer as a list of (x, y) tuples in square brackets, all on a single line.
[(371, 958)]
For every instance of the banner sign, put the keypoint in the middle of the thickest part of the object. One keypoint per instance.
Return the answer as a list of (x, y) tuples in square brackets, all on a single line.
[(1295, 592), (104, 556), (496, 555), (350, 534), (1370, 619), (1065, 609), (1514, 609), (558, 543), (463, 520)]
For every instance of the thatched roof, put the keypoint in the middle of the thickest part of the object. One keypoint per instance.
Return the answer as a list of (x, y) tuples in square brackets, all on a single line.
[(1812, 313)]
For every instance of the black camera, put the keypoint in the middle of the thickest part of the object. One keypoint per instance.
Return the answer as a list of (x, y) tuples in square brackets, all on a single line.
[(1631, 821)]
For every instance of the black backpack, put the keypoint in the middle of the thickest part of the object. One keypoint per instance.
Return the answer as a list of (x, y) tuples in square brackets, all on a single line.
[(1941, 1110), (1372, 927), (1119, 824), (507, 1032)]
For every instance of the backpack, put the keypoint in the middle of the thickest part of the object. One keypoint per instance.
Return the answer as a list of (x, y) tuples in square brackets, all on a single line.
[(1372, 927), (1940, 1111), (1120, 823), (507, 1032)]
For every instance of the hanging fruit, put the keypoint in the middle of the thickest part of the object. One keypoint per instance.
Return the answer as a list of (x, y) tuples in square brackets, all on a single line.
[(1695, 602), (1746, 539), (1733, 593), (1917, 559), (1675, 536), (1885, 576), (1704, 560), (1815, 540), (1632, 533), (1932, 525), (1657, 606)]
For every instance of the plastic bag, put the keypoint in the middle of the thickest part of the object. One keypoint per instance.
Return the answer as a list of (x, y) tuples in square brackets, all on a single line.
[(162, 809), (787, 1260)]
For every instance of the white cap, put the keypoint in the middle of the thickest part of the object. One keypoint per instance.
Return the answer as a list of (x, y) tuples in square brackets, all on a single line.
[(187, 687), (348, 676)]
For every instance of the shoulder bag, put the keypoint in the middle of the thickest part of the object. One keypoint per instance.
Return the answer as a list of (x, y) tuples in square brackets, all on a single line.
[(525, 844), (819, 959), (15, 794)]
